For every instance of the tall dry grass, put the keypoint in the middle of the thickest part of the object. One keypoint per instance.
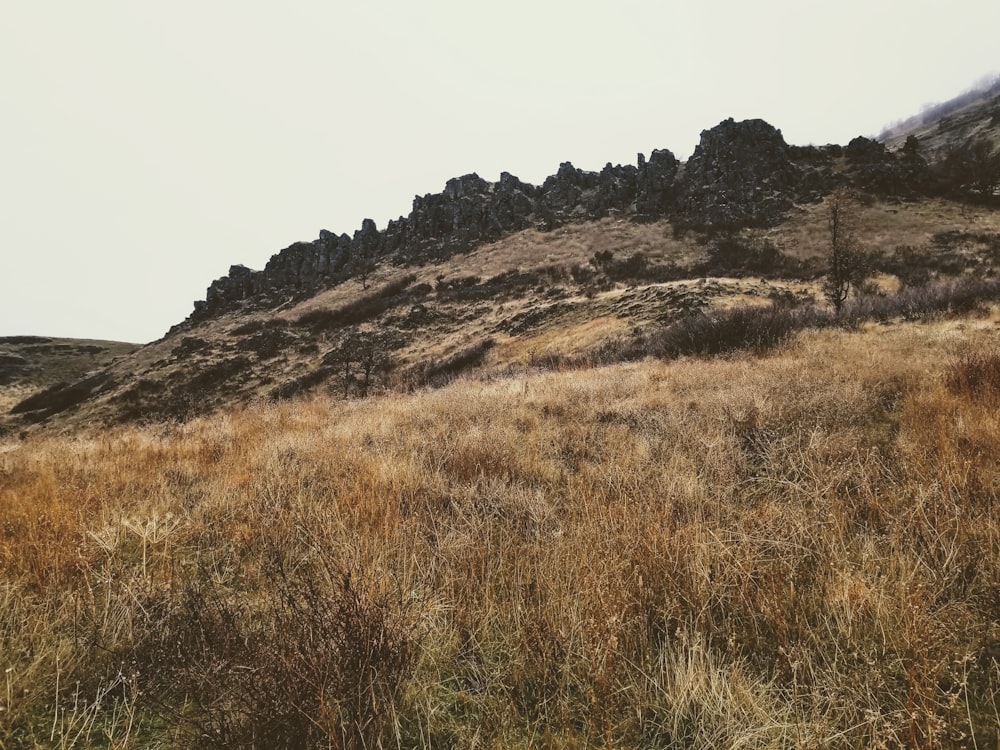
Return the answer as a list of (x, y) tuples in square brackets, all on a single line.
[(800, 550)]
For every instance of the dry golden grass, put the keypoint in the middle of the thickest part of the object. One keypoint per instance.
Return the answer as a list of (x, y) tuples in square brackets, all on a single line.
[(882, 227), (801, 550), (577, 243)]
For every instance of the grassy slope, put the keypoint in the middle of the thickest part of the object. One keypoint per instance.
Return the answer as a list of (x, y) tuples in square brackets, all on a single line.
[(795, 550), (554, 309)]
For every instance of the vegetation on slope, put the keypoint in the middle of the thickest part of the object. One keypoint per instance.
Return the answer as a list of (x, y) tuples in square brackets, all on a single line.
[(800, 549), (31, 363)]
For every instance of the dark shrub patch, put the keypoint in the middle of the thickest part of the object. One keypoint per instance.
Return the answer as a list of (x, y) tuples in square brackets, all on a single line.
[(976, 374), (437, 372), (62, 396), (753, 327), (364, 308), (318, 659)]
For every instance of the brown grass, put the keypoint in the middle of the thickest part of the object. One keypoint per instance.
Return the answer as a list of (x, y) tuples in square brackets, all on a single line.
[(800, 550), (882, 227)]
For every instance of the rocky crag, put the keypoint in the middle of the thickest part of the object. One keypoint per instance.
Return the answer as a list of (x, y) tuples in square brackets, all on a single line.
[(742, 174)]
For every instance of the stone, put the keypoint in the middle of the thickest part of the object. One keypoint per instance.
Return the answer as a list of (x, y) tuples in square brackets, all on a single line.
[(655, 184), (740, 175)]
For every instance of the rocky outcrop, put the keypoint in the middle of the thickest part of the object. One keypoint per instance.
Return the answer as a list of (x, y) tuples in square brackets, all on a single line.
[(468, 212), (874, 168), (741, 174), (655, 184)]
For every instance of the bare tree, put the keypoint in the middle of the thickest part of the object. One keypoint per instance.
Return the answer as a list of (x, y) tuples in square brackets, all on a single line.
[(847, 265), (361, 359)]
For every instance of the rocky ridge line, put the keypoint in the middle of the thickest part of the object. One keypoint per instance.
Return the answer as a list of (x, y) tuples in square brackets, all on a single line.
[(741, 174)]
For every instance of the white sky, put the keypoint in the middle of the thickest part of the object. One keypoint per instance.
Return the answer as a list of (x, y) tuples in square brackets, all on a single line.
[(145, 147)]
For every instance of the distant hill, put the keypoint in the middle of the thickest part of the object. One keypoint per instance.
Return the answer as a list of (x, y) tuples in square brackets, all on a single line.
[(32, 363)]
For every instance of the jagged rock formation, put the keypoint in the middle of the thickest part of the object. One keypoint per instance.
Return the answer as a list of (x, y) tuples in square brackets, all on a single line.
[(655, 184), (469, 211), (741, 174)]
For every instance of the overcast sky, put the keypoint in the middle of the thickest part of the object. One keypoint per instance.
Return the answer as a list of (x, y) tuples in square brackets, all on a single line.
[(146, 147)]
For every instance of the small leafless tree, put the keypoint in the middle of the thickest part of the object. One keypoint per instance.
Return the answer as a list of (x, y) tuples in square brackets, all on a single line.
[(847, 266), (361, 359)]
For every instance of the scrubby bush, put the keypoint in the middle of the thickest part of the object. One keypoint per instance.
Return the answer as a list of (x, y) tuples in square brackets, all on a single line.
[(357, 311), (759, 328), (319, 657), (731, 252), (976, 373), (437, 372)]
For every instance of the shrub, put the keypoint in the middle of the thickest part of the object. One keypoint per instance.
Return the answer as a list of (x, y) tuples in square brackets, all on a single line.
[(365, 307), (320, 658), (753, 327), (910, 303), (976, 374), (254, 326), (438, 372), (63, 396), (760, 328), (754, 252)]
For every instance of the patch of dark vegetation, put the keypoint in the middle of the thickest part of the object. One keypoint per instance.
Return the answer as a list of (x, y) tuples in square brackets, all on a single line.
[(438, 372), (255, 326), (711, 332), (459, 282), (320, 658), (582, 274), (142, 389), (85, 349), (912, 303), (267, 344), (214, 375), (987, 242), (12, 360), (734, 254), (62, 396), (976, 374), (189, 345), (759, 328), (143, 399), (506, 285), (364, 308), (530, 319), (361, 361), (302, 384), (915, 266), (636, 267), (181, 397)]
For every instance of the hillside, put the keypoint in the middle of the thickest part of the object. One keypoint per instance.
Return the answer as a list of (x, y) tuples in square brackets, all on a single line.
[(594, 463), (485, 277), (32, 363)]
